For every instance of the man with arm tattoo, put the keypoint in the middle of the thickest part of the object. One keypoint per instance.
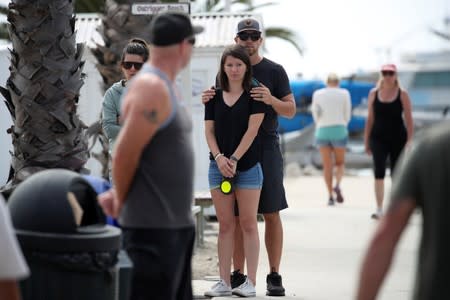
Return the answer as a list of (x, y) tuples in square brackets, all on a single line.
[(153, 154)]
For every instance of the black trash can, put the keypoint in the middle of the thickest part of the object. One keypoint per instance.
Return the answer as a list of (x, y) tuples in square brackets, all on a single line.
[(71, 251)]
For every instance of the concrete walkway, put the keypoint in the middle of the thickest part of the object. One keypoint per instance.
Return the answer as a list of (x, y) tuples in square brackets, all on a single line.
[(324, 245)]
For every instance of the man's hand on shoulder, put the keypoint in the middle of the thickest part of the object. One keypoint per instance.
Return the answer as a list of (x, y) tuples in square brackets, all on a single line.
[(208, 95)]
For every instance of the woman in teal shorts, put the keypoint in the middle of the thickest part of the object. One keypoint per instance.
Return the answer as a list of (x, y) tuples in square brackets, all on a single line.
[(331, 109)]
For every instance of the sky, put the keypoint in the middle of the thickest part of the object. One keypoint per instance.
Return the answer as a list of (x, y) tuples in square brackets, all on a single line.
[(348, 36)]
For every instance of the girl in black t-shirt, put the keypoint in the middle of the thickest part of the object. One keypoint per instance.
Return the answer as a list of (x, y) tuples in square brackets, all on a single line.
[(232, 121)]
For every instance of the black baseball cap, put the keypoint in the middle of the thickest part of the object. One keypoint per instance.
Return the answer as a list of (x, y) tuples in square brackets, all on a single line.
[(248, 24), (169, 28)]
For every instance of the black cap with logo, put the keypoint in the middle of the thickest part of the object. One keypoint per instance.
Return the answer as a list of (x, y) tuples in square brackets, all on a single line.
[(171, 28), (248, 24)]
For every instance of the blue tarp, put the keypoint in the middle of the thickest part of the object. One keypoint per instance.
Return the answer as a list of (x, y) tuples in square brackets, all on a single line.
[(303, 91)]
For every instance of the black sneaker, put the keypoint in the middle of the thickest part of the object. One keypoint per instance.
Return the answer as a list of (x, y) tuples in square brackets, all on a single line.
[(237, 278), (274, 285)]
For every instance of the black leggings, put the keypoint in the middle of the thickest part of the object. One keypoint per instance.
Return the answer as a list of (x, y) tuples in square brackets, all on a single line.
[(380, 152)]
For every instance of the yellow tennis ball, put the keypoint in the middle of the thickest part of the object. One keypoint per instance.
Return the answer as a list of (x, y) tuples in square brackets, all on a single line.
[(225, 186)]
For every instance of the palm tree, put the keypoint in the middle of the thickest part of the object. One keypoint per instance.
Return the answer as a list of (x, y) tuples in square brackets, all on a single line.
[(247, 5), (43, 88), (3, 29)]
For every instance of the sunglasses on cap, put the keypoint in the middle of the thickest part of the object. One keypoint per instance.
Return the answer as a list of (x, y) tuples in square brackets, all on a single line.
[(128, 64), (387, 73), (254, 36)]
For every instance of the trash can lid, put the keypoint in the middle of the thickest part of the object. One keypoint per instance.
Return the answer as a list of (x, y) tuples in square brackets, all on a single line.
[(109, 239), (56, 201)]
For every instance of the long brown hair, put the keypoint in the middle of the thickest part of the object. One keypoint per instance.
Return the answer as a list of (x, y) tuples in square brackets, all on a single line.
[(238, 52)]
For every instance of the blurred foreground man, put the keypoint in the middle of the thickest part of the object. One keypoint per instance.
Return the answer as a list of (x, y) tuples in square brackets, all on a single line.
[(422, 180), (12, 263), (153, 168)]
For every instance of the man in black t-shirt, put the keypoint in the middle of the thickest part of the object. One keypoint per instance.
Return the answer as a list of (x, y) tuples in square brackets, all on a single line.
[(275, 92), (422, 181)]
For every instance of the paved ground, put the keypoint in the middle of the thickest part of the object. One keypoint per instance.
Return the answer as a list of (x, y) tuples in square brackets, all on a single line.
[(324, 245)]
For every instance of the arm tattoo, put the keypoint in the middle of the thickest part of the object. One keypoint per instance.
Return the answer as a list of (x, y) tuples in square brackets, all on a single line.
[(151, 116)]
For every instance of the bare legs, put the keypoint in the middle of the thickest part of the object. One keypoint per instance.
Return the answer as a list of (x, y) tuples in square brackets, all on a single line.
[(248, 228), (273, 239), (224, 205), (327, 164), (339, 156), (379, 195), (238, 253), (327, 154), (248, 206)]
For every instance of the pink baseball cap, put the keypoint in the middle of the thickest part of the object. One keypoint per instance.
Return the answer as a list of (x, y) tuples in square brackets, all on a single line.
[(389, 67)]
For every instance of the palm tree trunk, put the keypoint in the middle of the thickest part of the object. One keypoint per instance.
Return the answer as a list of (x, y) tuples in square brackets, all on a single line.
[(43, 89)]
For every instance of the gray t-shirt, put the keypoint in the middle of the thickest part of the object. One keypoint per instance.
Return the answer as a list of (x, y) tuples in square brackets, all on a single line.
[(161, 193), (423, 175)]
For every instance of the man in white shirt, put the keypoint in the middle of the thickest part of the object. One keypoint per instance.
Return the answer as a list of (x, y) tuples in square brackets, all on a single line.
[(12, 263)]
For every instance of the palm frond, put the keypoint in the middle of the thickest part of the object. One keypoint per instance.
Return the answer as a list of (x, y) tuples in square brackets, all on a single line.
[(4, 34), (441, 34), (254, 7), (271, 32), (286, 35), (3, 10)]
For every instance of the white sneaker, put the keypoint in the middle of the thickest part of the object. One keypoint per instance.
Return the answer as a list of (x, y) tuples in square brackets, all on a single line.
[(220, 289), (247, 289)]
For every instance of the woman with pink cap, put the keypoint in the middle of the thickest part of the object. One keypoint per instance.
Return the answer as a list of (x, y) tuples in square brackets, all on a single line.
[(389, 127)]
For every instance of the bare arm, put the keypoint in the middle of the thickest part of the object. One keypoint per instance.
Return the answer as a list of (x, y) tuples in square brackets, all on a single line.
[(254, 123), (223, 163), (379, 255), (284, 107), (407, 113), (9, 290), (369, 121), (146, 107)]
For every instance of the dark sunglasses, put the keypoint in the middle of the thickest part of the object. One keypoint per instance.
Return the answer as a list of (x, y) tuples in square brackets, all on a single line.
[(387, 73), (191, 40), (254, 36), (128, 64)]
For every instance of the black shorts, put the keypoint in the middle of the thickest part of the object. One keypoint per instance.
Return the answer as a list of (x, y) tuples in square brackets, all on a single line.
[(161, 262), (273, 196)]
